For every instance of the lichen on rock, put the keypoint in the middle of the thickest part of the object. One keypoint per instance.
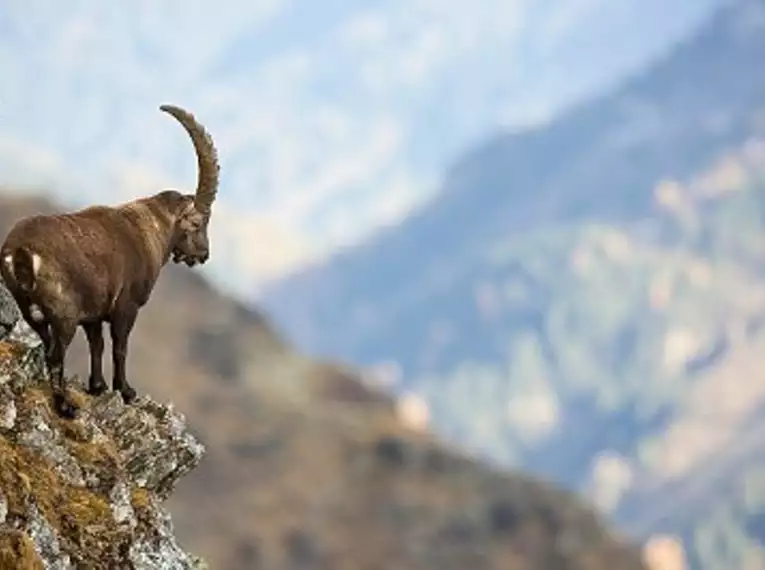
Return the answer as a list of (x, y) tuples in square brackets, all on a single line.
[(88, 492)]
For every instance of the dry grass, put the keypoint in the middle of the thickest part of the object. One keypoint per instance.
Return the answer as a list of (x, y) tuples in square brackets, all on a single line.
[(140, 499), (17, 552), (81, 516), (9, 352)]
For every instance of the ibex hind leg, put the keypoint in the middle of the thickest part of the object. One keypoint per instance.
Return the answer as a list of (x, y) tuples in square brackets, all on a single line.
[(39, 325), (63, 331)]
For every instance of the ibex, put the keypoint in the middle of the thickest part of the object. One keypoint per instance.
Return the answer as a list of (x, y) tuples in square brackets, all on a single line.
[(100, 264)]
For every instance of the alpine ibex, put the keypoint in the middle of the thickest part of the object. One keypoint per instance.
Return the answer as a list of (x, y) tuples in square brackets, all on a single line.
[(100, 265)]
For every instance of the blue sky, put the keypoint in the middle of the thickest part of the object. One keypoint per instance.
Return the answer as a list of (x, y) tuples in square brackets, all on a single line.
[(332, 118)]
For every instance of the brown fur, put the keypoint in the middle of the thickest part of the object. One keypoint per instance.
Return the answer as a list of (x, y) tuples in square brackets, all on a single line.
[(99, 265)]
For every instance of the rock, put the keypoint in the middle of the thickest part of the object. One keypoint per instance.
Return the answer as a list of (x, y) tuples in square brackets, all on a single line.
[(301, 549), (3, 508), (86, 493), (9, 312), (22, 333), (503, 517), (392, 450)]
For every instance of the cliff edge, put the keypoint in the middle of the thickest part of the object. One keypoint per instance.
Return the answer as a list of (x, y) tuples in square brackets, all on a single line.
[(86, 493)]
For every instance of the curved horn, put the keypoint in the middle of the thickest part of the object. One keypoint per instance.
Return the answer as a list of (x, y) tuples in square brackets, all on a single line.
[(207, 157)]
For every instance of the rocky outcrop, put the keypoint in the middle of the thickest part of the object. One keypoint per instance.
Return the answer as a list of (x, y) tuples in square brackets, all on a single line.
[(9, 312), (85, 493)]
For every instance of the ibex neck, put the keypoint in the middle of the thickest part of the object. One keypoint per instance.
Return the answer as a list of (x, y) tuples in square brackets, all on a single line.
[(156, 223)]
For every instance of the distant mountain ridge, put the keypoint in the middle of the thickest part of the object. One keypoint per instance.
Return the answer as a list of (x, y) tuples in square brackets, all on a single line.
[(669, 122), (586, 300)]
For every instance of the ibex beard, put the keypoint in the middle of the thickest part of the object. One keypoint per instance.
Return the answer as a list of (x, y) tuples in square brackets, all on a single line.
[(99, 265)]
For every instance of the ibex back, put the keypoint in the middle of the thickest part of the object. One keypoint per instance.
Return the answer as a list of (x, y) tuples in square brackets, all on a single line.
[(100, 265)]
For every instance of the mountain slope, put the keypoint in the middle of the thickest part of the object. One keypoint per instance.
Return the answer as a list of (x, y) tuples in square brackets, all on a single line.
[(586, 300)]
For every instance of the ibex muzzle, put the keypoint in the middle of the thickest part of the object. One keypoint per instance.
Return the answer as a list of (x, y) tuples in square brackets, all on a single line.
[(99, 265)]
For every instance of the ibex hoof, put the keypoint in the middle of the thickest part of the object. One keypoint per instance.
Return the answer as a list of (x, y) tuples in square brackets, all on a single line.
[(96, 388), (64, 406), (128, 395)]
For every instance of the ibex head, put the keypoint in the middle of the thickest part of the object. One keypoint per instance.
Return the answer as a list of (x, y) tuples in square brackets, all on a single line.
[(190, 243)]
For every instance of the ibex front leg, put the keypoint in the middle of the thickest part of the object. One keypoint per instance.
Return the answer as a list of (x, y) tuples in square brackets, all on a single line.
[(121, 326), (95, 335)]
